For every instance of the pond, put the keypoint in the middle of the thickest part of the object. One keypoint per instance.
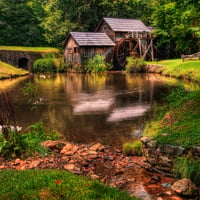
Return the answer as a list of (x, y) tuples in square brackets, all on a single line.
[(111, 108)]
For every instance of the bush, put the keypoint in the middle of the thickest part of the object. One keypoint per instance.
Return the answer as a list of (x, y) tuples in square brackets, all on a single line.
[(45, 65), (133, 148), (96, 65), (14, 143), (135, 65)]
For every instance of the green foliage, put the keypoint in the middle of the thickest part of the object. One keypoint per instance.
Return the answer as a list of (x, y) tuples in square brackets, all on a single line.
[(14, 143), (44, 65), (177, 26), (180, 120), (20, 24), (96, 65), (135, 65), (11, 143), (54, 184), (187, 167), (29, 91), (133, 148), (63, 67), (176, 94)]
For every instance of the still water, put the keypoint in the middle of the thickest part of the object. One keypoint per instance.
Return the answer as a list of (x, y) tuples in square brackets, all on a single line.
[(111, 108)]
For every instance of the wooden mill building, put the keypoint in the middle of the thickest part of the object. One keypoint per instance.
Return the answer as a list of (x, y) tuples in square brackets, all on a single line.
[(114, 38)]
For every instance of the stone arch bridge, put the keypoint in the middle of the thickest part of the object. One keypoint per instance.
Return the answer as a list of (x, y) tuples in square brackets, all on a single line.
[(20, 59)]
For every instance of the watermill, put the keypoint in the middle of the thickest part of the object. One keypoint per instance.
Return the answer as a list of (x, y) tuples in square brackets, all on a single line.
[(135, 44)]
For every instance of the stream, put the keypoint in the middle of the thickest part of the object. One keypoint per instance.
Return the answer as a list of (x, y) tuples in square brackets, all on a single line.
[(110, 109)]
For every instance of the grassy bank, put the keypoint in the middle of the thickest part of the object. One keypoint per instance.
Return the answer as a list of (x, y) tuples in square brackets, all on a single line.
[(189, 69), (54, 184), (33, 49), (179, 122), (7, 71)]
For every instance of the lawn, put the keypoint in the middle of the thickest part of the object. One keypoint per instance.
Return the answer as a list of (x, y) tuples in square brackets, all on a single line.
[(33, 49), (7, 71), (189, 69), (54, 184)]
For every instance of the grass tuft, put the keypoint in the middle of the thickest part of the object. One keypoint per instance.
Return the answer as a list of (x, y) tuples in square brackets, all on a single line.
[(133, 148)]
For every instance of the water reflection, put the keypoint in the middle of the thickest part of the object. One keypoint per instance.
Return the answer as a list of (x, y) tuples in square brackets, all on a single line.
[(120, 114), (110, 108)]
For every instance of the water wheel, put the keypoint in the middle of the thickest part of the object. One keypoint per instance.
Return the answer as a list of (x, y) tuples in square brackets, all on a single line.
[(124, 48)]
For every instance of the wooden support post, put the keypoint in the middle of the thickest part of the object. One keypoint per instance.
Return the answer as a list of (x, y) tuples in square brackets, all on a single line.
[(152, 52), (140, 47), (146, 51)]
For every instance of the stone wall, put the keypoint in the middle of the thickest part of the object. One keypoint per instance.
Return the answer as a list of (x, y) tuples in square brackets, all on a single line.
[(21, 59), (162, 157)]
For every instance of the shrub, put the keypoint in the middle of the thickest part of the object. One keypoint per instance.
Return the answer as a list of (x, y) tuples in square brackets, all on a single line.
[(133, 148), (45, 65), (135, 65), (17, 143), (96, 65)]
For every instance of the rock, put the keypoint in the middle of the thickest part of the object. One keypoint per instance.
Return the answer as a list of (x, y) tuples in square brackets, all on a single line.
[(132, 180), (144, 140), (168, 193), (185, 187), (92, 153), (69, 149), (94, 176), (152, 144), (97, 147), (49, 144), (166, 185), (17, 161), (34, 164), (2, 166), (155, 179), (22, 168), (69, 167)]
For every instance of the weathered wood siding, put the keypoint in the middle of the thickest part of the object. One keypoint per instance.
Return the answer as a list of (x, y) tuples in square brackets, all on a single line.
[(70, 55), (104, 28)]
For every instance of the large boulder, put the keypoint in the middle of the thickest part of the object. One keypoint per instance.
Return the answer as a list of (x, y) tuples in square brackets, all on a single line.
[(185, 187)]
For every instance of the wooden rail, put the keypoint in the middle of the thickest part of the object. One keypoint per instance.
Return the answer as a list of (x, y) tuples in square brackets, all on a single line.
[(192, 56)]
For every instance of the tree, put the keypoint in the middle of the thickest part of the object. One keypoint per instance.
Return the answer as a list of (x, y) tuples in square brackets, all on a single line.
[(19, 24), (177, 25)]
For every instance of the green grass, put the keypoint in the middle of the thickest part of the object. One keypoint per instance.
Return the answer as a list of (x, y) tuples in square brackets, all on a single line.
[(33, 49), (54, 184), (189, 69), (133, 148), (178, 123), (7, 70)]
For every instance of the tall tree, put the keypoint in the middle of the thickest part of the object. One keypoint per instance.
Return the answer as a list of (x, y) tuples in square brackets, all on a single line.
[(177, 25), (18, 24)]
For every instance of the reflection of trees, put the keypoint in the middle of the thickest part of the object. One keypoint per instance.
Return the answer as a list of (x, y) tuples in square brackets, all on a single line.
[(103, 94)]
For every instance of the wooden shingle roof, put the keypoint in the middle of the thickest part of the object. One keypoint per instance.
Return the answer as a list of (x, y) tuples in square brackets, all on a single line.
[(124, 25), (91, 39)]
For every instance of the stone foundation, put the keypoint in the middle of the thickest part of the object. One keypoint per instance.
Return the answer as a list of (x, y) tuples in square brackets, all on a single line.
[(162, 157)]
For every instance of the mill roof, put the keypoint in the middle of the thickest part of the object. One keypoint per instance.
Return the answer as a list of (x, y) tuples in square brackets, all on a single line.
[(124, 25), (90, 39)]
